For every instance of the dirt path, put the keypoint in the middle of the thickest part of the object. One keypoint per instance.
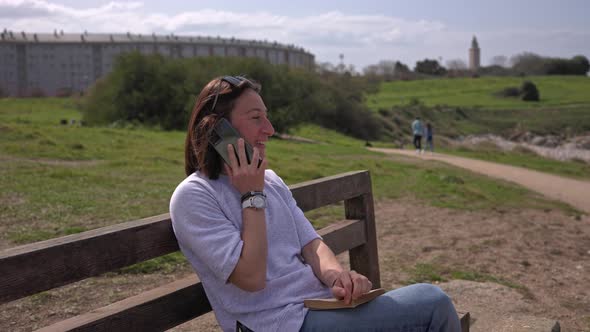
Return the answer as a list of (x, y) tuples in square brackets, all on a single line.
[(574, 192)]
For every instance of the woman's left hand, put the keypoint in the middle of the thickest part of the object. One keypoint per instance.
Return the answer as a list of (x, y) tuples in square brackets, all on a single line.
[(350, 285)]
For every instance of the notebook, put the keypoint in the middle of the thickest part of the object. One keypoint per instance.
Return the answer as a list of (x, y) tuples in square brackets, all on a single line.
[(333, 303)]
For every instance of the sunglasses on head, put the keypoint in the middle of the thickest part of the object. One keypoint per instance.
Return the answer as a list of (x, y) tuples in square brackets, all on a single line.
[(234, 81)]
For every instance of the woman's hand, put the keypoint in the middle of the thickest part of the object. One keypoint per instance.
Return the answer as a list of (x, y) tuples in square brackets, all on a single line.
[(350, 285), (245, 177)]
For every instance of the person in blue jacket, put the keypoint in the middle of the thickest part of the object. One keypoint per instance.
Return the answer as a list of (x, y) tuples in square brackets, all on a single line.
[(418, 131)]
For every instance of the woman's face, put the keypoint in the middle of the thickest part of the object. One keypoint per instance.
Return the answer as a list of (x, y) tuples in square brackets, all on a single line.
[(250, 118)]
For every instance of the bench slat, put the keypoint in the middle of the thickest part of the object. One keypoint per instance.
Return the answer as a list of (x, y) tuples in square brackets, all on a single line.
[(344, 235), (48, 264), (332, 189), (155, 310), (177, 302)]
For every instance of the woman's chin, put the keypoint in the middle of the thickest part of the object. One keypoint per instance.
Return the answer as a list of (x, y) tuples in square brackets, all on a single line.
[(261, 150)]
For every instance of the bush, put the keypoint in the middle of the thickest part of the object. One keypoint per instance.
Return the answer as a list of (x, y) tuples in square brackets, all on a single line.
[(430, 67), (529, 91), (342, 108), (384, 112), (157, 91), (533, 64)]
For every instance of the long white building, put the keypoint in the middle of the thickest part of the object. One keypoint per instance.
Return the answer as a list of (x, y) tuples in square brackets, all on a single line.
[(55, 63)]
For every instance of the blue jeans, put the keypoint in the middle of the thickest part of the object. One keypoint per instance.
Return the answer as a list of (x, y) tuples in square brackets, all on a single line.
[(419, 307), (430, 144)]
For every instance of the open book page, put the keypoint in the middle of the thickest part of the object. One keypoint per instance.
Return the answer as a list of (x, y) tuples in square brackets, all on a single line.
[(333, 303)]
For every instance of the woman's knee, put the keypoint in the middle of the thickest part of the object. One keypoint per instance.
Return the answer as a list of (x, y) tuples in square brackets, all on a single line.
[(443, 311), (435, 295)]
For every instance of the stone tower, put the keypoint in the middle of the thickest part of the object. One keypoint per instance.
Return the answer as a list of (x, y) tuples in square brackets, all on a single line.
[(474, 55)]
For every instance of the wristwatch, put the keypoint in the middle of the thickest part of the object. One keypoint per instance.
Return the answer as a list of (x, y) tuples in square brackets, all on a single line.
[(254, 199)]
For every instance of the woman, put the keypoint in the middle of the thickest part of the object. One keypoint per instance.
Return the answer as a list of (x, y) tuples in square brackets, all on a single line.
[(429, 134), (259, 261)]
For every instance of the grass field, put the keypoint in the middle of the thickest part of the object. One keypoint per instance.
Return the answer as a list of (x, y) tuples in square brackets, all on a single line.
[(59, 180), (555, 92)]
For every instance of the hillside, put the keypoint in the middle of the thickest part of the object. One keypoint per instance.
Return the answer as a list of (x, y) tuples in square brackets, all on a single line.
[(555, 92), (466, 106)]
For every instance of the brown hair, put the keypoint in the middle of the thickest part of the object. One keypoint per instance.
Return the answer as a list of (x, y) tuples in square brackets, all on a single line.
[(216, 101)]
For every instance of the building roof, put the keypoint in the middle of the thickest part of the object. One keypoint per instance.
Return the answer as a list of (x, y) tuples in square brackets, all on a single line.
[(60, 37)]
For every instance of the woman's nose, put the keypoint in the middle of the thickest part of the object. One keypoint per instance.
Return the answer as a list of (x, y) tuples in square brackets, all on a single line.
[(268, 128)]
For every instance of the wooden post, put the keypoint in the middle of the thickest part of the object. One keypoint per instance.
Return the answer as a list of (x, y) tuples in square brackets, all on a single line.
[(364, 258)]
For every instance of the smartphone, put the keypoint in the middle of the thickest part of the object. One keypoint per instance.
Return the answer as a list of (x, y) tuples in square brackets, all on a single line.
[(223, 134)]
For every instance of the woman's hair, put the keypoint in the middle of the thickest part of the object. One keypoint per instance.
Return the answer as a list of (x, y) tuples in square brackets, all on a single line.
[(216, 101)]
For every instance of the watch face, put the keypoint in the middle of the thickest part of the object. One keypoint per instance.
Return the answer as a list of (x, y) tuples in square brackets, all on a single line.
[(258, 202)]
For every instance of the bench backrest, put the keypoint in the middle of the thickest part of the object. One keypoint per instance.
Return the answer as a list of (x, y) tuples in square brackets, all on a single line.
[(41, 266)]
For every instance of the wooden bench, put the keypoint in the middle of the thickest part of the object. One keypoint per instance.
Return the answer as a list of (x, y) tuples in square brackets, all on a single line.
[(37, 267)]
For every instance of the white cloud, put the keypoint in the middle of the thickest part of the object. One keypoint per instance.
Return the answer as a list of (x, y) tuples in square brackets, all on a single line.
[(363, 39), (39, 8)]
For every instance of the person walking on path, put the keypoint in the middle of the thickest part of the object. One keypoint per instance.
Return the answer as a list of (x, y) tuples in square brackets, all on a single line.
[(429, 133), (418, 130)]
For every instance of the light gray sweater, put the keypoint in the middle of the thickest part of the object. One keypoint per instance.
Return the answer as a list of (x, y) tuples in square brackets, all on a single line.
[(207, 220)]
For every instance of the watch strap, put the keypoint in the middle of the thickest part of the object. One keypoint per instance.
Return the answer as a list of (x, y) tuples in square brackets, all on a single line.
[(250, 194)]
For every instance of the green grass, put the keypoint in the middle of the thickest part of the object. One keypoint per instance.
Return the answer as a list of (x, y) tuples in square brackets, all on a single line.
[(58, 180), (458, 122), (430, 273), (555, 91)]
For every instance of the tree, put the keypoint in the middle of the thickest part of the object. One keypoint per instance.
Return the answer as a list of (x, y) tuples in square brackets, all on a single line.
[(456, 65), (457, 68), (402, 71), (387, 70), (351, 69), (499, 60), (528, 63), (495, 70), (401, 68), (429, 67), (323, 67), (582, 64)]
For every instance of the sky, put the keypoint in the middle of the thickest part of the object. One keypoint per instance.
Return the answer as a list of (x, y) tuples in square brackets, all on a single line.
[(363, 32)]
